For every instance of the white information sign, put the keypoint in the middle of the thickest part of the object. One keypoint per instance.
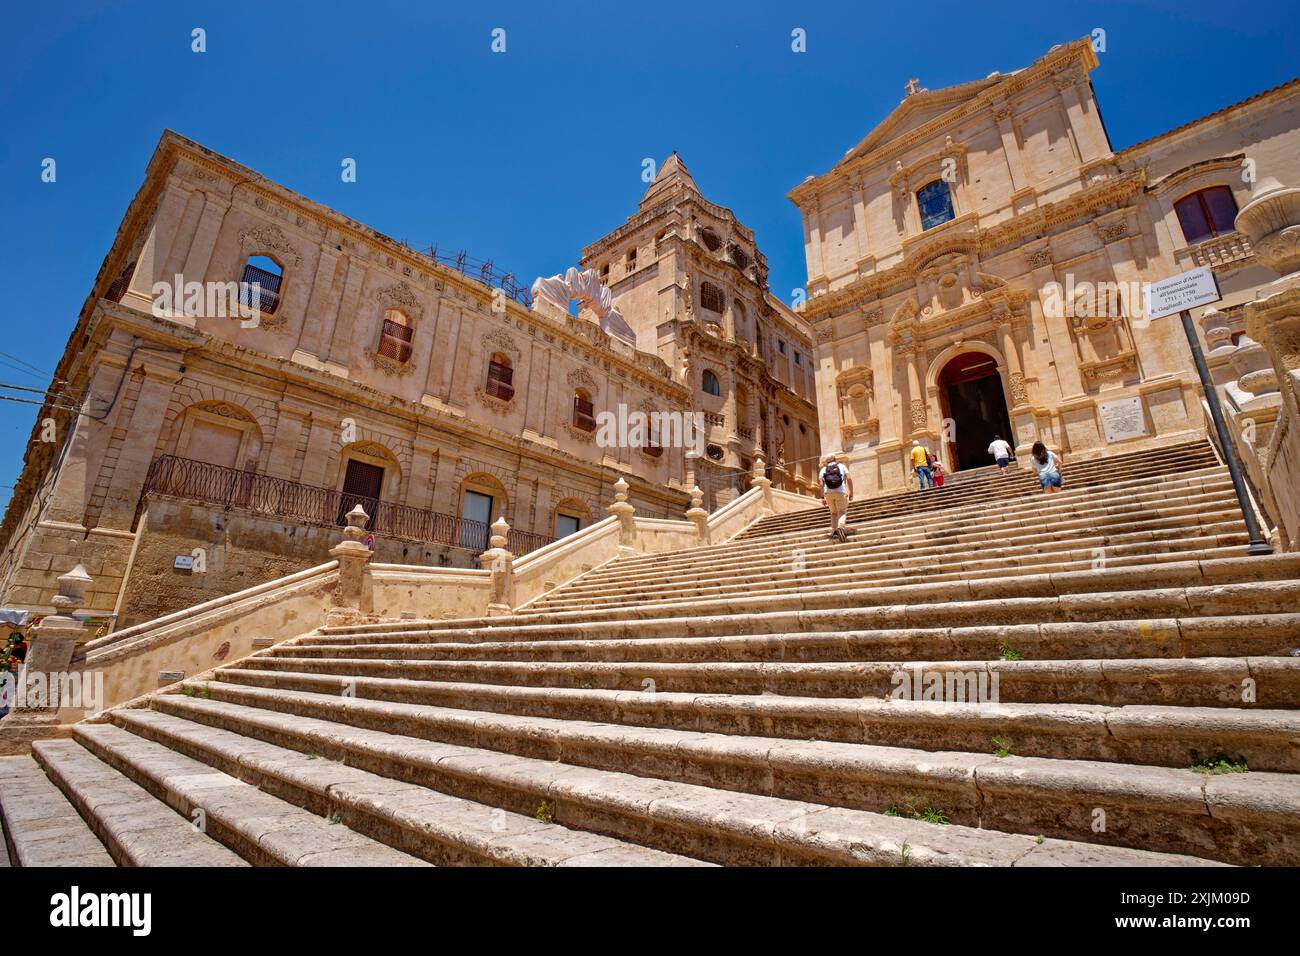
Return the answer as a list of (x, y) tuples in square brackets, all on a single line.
[(1187, 290)]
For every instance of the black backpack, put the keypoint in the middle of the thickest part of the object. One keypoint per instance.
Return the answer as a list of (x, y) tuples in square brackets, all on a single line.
[(833, 477)]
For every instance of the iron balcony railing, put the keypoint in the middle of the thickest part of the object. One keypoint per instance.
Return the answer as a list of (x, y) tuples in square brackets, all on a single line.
[(190, 480)]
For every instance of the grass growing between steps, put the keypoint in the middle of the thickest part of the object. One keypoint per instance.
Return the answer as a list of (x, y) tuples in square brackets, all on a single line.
[(911, 811), (1008, 653), (1218, 765), (1001, 747)]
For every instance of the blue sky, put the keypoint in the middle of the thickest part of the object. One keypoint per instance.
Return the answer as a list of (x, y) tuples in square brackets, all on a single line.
[(526, 156)]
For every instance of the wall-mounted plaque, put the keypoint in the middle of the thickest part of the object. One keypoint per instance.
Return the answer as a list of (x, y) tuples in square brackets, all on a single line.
[(1122, 419)]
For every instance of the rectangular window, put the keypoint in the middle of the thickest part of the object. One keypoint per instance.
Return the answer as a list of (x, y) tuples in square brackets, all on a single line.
[(395, 341), (476, 512), (566, 525), (1210, 212), (781, 346), (798, 358)]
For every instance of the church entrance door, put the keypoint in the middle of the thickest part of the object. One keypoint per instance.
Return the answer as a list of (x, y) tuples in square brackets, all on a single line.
[(972, 395)]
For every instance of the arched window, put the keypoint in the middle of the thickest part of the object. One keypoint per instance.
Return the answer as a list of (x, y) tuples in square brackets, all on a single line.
[(738, 255), (259, 286), (711, 297), (500, 377), (395, 338), (935, 203), (1206, 213), (631, 259), (710, 239), (711, 383), (584, 412)]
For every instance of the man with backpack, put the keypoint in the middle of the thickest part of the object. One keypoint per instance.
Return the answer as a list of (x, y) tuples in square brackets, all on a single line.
[(837, 492)]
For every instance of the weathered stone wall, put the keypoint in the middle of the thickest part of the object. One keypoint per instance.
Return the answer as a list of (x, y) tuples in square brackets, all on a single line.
[(240, 551)]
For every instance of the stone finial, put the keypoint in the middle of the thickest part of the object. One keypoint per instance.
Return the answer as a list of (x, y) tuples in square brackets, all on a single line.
[(357, 520), (697, 516), (500, 562), (500, 533), (352, 556), (624, 511), (764, 484), (72, 591), (49, 659), (1271, 220)]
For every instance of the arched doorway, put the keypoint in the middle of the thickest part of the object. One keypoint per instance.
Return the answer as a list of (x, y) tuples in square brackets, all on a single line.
[(970, 389)]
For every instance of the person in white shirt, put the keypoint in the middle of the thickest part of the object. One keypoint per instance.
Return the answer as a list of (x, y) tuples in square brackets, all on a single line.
[(1001, 452), (837, 492), (1048, 467)]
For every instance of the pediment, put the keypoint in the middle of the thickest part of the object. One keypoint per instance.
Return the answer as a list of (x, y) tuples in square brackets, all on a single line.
[(920, 108)]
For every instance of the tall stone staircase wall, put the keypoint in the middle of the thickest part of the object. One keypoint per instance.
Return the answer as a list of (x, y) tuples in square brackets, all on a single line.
[(740, 704)]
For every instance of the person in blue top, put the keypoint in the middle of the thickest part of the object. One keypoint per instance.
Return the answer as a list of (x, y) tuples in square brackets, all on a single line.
[(1048, 467)]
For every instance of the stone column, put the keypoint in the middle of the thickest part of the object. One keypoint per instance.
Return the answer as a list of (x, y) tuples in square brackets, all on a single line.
[(49, 660), (500, 562), (317, 328), (205, 237), (624, 511), (137, 454), (916, 372), (1271, 220), (1015, 374), (350, 599), (764, 484), (698, 516)]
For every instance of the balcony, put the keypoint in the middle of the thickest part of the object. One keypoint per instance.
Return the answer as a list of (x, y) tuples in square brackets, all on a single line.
[(1218, 252), (246, 491)]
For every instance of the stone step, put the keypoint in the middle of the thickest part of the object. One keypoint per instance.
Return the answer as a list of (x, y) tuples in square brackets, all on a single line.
[(704, 822), (1160, 636), (1186, 549), (725, 640), (41, 827), (137, 829), (1251, 818), (433, 826), (1171, 589), (864, 542), (1108, 526), (1049, 511), (1147, 734), (1019, 485), (259, 827), (1201, 682)]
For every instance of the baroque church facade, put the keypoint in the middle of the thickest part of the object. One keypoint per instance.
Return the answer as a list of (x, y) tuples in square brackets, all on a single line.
[(196, 452), (975, 267)]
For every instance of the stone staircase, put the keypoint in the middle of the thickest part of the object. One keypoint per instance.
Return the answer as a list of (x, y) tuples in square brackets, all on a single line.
[(735, 704)]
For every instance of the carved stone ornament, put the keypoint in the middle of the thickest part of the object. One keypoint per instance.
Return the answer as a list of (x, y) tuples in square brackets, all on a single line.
[(267, 239), (389, 365), (401, 296), (498, 340), (581, 378)]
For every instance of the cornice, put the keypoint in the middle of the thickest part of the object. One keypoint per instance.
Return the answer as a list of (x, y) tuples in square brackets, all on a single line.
[(1020, 228)]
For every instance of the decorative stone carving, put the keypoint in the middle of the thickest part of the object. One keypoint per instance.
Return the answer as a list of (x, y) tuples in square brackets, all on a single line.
[(919, 417), (389, 366), (1019, 389), (581, 378), (1038, 258), (267, 239), (401, 296), (499, 340)]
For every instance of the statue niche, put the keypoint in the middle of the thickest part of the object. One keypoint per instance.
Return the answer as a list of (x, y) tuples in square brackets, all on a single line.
[(1103, 340), (855, 389)]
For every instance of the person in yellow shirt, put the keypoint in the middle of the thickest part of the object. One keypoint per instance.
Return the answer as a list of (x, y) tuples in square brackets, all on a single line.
[(921, 464)]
